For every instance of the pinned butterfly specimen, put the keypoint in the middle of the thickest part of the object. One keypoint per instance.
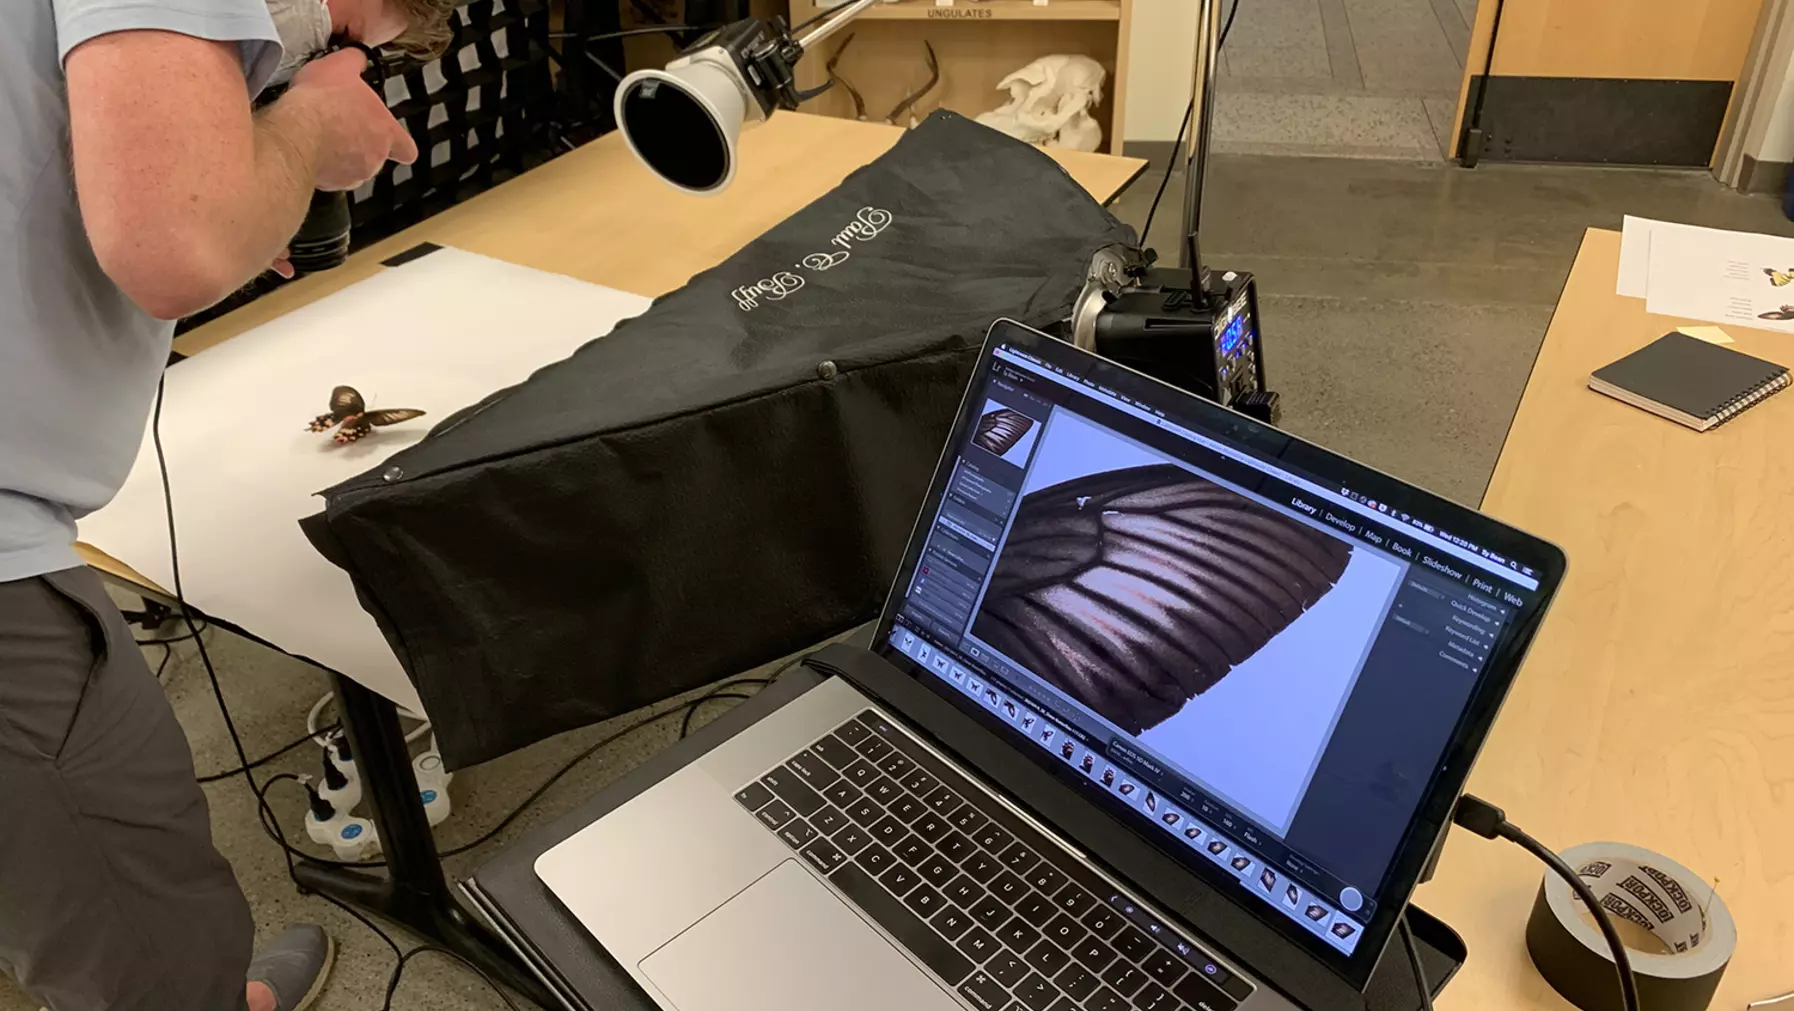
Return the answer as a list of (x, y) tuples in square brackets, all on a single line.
[(1786, 312), (1780, 279), (350, 411)]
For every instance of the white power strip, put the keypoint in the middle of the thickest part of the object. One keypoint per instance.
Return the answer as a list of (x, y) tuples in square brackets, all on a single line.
[(433, 785), (354, 838), (350, 837)]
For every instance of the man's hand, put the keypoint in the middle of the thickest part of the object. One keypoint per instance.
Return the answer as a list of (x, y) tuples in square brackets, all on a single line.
[(358, 134)]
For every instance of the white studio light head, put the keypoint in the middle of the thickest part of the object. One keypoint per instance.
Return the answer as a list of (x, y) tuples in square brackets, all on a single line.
[(685, 122)]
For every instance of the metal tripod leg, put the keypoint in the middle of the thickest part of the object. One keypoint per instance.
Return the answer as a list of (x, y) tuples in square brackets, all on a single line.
[(415, 893)]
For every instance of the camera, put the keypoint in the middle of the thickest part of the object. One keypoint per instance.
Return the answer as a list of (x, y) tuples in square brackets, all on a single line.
[(322, 241)]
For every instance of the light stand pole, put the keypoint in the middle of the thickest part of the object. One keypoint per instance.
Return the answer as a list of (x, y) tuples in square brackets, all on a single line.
[(1186, 326), (1195, 154)]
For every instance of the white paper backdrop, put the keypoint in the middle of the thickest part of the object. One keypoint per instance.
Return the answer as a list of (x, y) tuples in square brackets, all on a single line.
[(437, 333)]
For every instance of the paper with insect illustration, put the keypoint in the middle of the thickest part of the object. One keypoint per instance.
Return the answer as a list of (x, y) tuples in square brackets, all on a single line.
[(255, 427), (1725, 277)]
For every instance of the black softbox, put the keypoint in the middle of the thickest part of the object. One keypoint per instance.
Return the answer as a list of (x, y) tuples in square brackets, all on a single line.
[(727, 478)]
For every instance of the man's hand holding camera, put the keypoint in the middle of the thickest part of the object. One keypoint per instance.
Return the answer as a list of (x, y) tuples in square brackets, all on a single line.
[(358, 135), (186, 193)]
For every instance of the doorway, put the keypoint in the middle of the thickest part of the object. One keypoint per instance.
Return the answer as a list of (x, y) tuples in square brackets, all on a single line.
[(1351, 78)]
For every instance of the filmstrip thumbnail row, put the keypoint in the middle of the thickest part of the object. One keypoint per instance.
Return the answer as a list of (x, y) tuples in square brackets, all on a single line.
[(1315, 913)]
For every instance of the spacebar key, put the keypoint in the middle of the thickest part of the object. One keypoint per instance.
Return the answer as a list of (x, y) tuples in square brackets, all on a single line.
[(919, 938)]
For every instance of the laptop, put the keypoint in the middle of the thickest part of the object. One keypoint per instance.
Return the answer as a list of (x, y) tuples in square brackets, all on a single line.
[(1167, 709)]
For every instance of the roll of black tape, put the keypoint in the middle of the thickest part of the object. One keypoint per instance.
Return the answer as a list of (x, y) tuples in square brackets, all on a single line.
[(1655, 893)]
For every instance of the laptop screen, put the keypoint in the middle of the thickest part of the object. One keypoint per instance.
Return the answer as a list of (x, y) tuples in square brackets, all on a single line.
[(1263, 667)]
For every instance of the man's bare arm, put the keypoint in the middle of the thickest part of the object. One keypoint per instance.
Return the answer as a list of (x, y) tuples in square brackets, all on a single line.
[(184, 193)]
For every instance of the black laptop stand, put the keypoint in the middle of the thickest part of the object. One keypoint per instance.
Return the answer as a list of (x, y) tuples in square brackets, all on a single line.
[(585, 978)]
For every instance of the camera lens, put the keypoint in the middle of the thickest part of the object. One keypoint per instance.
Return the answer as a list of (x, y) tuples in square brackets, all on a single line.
[(323, 239)]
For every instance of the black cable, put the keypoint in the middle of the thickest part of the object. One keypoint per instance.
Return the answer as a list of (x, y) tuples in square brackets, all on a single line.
[(167, 655), (647, 12), (626, 33), (692, 710), (812, 19), (1623, 964), (264, 811), (204, 626), (1178, 144), (273, 832), (1490, 822), (174, 563), (582, 756), (632, 32), (1426, 992), (264, 760), (246, 768), (603, 66), (392, 984), (718, 693), (271, 825)]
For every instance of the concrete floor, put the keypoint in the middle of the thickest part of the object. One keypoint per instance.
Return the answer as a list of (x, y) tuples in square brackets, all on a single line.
[(1342, 78), (1402, 303)]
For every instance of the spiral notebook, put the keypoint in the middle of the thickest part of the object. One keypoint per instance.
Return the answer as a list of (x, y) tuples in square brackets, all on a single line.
[(1689, 381)]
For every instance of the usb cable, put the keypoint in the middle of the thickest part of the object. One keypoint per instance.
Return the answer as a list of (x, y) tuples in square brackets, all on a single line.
[(1490, 822)]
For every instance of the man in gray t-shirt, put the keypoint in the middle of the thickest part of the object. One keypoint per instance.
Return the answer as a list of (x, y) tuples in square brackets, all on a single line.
[(136, 187)]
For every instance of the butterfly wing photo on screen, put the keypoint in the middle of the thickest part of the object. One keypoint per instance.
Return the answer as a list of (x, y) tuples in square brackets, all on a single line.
[(1136, 590), (1000, 430), (349, 410)]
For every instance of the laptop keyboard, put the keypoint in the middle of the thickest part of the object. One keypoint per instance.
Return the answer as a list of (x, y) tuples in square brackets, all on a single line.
[(1005, 917)]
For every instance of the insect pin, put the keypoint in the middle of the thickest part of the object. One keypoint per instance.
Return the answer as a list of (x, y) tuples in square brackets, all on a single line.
[(348, 410)]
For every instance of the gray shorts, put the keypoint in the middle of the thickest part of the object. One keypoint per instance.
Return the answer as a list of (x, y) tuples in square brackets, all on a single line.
[(111, 894)]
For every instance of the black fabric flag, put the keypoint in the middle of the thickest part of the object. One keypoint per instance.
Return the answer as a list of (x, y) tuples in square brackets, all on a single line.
[(728, 477)]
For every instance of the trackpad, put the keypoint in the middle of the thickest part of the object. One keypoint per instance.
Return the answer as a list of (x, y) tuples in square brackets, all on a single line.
[(787, 943)]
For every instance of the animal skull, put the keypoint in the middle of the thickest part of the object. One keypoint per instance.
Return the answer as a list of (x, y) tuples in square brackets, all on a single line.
[(1050, 101)]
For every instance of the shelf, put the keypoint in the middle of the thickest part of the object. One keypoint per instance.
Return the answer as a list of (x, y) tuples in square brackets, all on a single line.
[(968, 11), (888, 63)]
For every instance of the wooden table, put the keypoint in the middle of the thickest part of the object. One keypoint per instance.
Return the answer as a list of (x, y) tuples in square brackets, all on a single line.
[(1657, 706), (598, 215)]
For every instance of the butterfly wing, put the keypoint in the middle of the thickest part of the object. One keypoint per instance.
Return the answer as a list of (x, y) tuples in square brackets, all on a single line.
[(358, 426), (323, 423), (355, 427), (391, 417), (1136, 590), (344, 402), (1779, 278)]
